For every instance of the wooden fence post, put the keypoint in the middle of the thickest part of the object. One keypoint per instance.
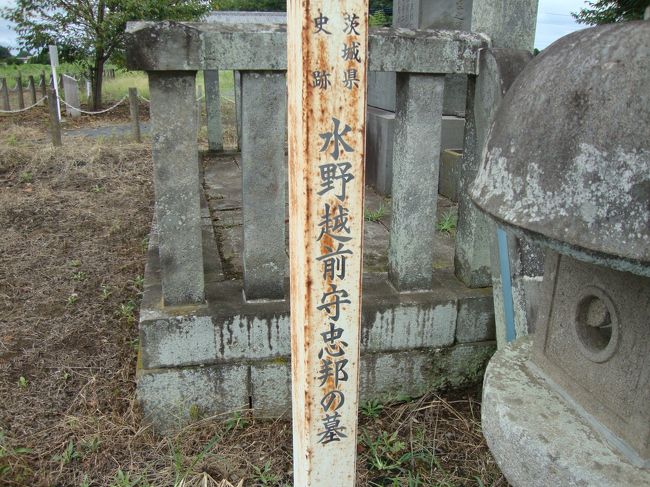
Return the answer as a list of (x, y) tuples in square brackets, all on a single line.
[(327, 59), (134, 108), (32, 89), (5, 94), (55, 126), (21, 97)]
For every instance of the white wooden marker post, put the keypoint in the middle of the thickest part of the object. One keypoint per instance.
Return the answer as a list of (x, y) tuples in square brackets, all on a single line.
[(327, 58), (54, 62)]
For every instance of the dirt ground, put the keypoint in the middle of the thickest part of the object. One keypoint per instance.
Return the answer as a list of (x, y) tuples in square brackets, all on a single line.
[(74, 226)]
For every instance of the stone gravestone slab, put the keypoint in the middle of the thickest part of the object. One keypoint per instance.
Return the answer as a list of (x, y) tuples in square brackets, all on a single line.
[(71, 93), (327, 55), (414, 14)]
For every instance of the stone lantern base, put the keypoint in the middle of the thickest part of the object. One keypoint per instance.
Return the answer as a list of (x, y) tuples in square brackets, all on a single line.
[(539, 437)]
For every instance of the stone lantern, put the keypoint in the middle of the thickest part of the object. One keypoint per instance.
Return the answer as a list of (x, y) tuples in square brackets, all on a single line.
[(567, 164)]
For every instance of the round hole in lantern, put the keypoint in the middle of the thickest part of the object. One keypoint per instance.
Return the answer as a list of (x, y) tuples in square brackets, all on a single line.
[(596, 325)]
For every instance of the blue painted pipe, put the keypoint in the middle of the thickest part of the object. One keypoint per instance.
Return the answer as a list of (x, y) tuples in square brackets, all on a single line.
[(506, 284)]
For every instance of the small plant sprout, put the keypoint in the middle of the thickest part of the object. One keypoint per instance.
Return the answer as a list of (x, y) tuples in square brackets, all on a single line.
[(126, 311), (72, 299), (97, 188), (138, 283), (236, 421), (79, 276), (68, 455), (22, 382), (74, 263), (264, 476), (26, 177), (376, 215), (106, 292), (371, 408), (447, 223)]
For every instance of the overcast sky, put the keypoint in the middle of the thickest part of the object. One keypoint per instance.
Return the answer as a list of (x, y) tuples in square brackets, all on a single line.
[(553, 21)]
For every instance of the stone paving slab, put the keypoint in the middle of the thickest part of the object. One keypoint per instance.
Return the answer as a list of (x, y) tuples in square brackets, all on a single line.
[(223, 188)]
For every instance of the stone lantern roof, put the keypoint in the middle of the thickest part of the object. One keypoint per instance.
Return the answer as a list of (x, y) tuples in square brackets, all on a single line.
[(568, 157)]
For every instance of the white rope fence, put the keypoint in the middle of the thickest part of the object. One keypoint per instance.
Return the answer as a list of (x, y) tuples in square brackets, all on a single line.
[(24, 109), (94, 113)]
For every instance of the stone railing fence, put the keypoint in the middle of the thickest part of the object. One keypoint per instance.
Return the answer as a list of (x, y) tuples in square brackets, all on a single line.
[(172, 53)]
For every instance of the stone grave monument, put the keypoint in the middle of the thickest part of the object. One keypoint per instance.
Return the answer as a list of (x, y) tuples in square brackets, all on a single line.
[(567, 165)]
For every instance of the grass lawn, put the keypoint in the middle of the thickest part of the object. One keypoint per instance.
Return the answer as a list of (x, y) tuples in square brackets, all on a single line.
[(113, 89)]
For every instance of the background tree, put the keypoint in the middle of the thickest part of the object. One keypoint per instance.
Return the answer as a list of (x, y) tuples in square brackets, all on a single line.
[(610, 11), (5, 53), (90, 31)]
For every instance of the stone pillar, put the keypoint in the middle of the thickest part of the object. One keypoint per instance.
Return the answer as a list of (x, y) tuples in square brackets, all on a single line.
[(416, 158), (176, 182), (213, 109), (264, 120), (237, 84), (498, 69), (509, 23)]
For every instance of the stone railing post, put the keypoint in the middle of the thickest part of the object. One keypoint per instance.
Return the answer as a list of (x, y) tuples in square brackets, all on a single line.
[(237, 84), (264, 120), (477, 256), (416, 163), (213, 109), (176, 182)]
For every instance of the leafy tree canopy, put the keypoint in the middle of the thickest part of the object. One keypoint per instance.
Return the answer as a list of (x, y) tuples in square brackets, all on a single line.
[(5, 53), (610, 11), (90, 32)]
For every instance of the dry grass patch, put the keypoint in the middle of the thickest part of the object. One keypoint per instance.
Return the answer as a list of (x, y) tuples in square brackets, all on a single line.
[(74, 230)]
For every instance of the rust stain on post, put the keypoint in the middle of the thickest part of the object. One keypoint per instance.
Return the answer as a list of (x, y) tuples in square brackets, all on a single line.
[(327, 59)]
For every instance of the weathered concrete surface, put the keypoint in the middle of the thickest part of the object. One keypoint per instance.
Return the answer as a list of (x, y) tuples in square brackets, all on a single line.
[(380, 127), (264, 121), (416, 152), (173, 397), (538, 437), (589, 195), (232, 329), (499, 68), (155, 46), (213, 109), (509, 23), (604, 370), (450, 162), (176, 184)]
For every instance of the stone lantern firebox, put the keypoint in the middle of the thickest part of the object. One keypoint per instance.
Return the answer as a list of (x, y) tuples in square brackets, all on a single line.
[(568, 165)]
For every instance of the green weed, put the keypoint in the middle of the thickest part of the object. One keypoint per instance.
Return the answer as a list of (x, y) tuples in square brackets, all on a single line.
[(69, 454), (264, 475), (447, 223), (26, 177), (375, 216), (371, 408), (236, 421), (22, 382)]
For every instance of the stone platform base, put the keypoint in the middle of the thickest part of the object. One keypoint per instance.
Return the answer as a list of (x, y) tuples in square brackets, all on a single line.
[(538, 437), (231, 353)]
